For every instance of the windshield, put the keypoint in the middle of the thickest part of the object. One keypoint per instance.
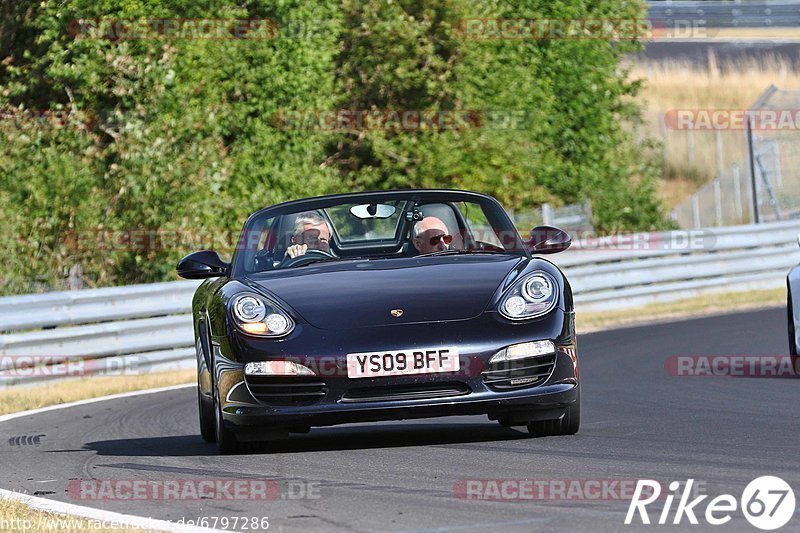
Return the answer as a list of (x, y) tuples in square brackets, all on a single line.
[(374, 226)]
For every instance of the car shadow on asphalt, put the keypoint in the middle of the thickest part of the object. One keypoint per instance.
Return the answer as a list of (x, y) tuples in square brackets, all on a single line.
[(351, 437)]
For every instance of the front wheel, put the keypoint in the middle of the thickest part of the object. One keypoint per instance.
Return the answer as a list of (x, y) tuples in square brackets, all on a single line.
[(566, 425), (790, 317), (207, 419)]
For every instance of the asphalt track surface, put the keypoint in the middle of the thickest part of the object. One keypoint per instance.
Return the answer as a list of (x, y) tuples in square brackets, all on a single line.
[(638, 422)]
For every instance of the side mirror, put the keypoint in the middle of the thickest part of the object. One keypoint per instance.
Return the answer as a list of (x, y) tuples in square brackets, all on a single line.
[(202, 264), (548, 240)]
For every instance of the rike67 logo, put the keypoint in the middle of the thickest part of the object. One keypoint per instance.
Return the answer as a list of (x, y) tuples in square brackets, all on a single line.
[(767, 503)]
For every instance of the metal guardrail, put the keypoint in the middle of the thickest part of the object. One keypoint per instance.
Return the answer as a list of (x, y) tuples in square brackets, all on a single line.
[(116, 330), (664, 267), (727, 13), (145, 328)]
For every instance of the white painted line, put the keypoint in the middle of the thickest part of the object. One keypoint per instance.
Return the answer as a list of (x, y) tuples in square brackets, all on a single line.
[(52, 506), (20, 414)]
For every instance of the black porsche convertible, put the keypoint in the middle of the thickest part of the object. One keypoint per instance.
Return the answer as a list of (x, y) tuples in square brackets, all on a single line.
[(382, 306)]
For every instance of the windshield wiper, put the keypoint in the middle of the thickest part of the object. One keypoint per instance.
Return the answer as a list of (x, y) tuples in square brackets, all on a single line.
[(459, 252)]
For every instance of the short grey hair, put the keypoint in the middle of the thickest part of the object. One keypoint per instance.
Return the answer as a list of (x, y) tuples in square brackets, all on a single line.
[(418, 224), (417, 231), (308, 218)]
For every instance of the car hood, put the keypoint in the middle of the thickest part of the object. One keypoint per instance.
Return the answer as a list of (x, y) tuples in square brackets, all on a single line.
[(353, 294)]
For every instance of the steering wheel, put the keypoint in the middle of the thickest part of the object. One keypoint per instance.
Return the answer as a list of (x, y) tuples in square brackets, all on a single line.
[(311, 255)]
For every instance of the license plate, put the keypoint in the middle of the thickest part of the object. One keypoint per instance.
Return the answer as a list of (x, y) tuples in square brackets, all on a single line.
[(403, 362)]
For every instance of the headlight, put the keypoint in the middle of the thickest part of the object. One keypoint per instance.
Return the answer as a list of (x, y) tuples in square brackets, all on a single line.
[(249, 309), (534, 295), (257, 315)]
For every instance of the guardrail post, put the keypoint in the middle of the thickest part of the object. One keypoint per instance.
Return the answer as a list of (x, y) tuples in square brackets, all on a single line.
[(753, 182), (75, 278), (737, 194), (547, 214)]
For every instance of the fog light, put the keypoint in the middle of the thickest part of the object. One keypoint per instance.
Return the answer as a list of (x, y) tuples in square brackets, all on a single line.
[(523, 350), (277, 368)]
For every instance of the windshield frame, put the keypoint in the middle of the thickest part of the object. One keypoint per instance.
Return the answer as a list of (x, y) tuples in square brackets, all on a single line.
[(494, 211)]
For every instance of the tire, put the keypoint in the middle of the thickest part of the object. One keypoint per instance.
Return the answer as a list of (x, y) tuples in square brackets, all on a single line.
[(207, 418), (566, 425), (792, 342), (226, 439)]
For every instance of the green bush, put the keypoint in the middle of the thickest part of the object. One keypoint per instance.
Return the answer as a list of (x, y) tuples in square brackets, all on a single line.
[(181, 135)]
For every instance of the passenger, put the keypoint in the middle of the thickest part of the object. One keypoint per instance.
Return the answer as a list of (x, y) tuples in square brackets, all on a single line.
[(431, 235)]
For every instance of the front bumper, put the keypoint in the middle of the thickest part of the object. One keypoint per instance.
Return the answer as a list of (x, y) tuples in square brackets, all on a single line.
[(347, 400)]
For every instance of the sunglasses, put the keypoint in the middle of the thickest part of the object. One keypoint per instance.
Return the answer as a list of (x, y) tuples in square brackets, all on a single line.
[(312, 236), (443, 237)]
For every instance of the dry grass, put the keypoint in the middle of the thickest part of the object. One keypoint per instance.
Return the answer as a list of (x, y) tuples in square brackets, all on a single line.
[(24, 398), (16, 516), (752, 33), (680, 309), (680, 85)]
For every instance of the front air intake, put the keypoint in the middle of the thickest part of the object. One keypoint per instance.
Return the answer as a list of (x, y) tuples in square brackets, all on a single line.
[(286, 390), (527, 372)]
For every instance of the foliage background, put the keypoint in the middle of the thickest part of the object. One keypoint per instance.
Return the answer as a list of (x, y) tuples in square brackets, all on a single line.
[(181, 133)]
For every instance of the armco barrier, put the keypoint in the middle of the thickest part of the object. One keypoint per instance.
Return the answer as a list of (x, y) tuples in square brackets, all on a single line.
[(143, 328), (729, 259), (116, 330)]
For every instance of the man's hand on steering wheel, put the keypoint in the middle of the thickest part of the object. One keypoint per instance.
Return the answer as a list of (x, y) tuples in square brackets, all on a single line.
[(310, 255), (296, 250)]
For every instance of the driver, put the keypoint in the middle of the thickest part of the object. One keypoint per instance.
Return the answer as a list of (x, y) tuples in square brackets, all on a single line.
[(311, 232), (431, 235)]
